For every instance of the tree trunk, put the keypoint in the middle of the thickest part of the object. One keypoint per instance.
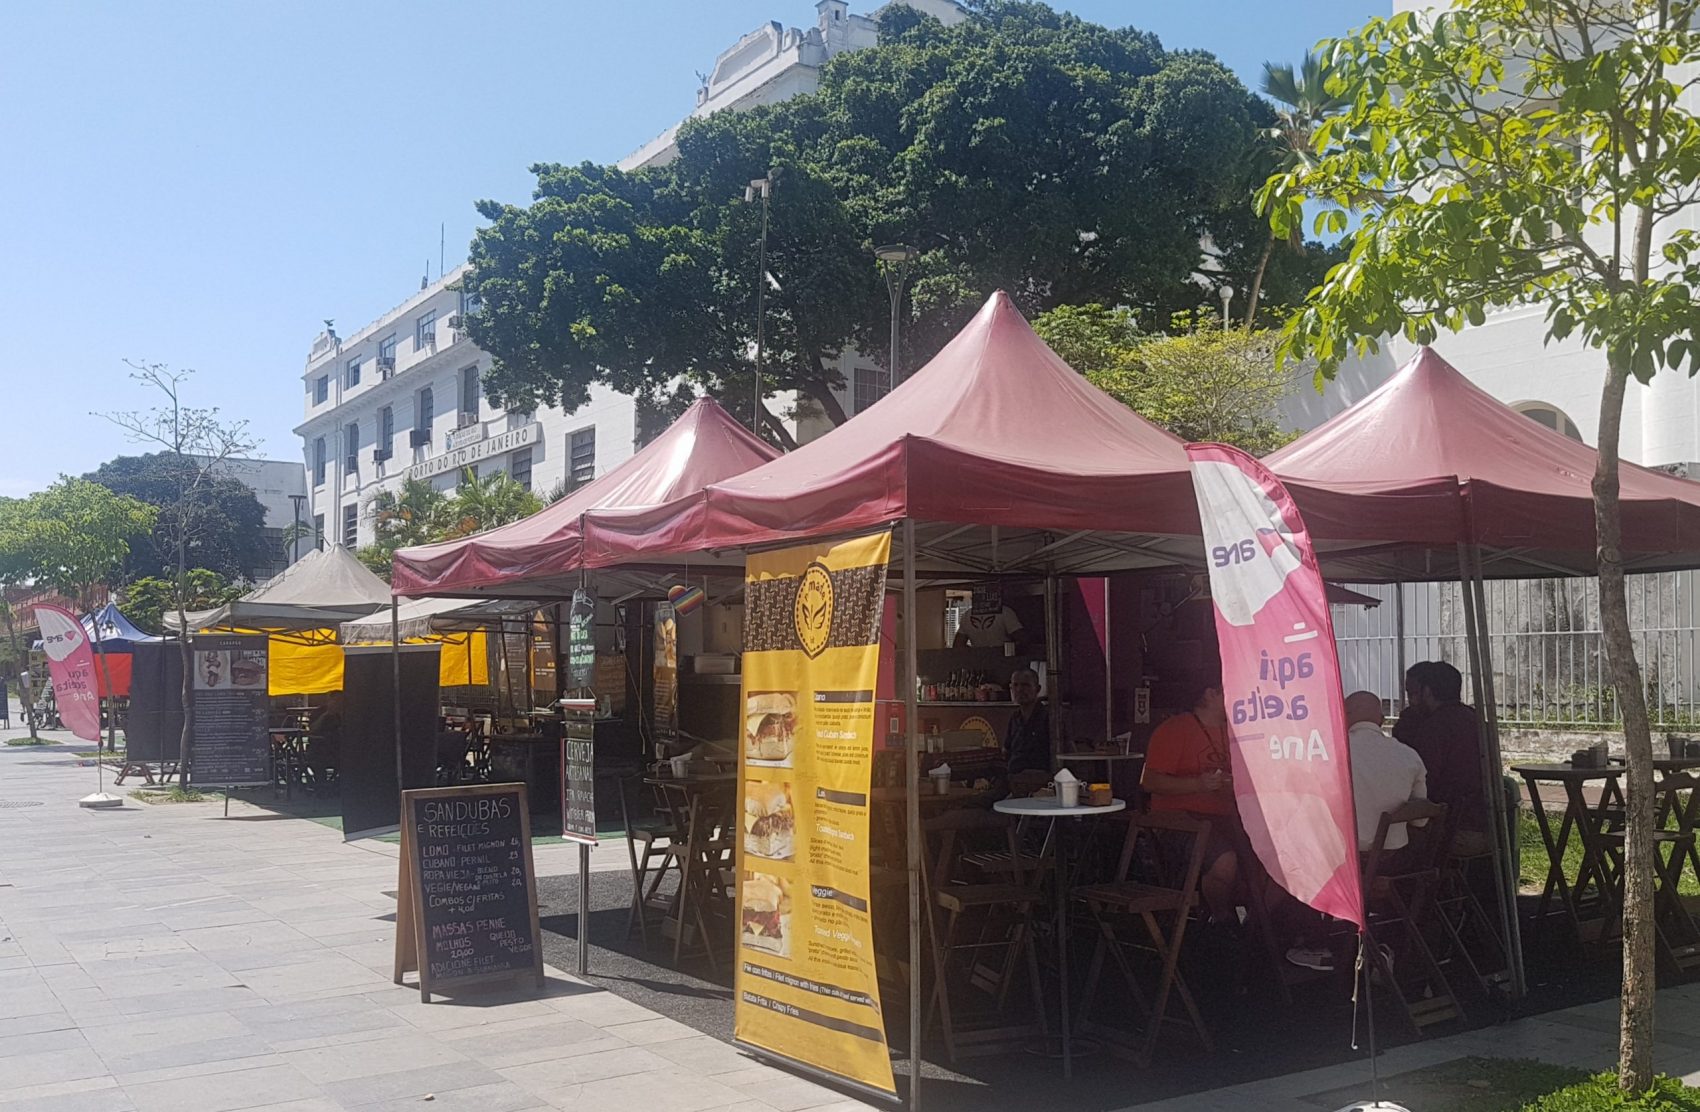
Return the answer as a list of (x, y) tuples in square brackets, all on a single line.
[(775, 426), (1257, 285), (828, 402), (1635, 1029), (20, 662)]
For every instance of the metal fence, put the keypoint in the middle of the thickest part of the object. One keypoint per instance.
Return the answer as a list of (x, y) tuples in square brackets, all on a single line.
[(1549, 664)]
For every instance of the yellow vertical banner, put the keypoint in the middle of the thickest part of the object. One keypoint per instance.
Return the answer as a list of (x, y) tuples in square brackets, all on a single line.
[(807, 991)]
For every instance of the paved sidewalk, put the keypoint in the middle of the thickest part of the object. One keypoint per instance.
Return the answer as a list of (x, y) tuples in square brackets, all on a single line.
[(165, 958)]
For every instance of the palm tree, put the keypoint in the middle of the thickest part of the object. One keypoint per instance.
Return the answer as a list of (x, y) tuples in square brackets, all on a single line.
[(414, 513), (484, 503), (1303, 101)]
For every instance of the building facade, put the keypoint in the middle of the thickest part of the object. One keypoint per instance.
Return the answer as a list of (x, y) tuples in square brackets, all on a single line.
[(277, 484), (404, 398)]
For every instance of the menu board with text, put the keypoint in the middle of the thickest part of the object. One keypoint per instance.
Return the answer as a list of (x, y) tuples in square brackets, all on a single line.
[(231, 745), (806, 989)]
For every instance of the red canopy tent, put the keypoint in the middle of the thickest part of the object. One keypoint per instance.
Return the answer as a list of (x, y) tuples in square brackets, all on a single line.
[(1429, 461), (543, 554), (1003, 456)]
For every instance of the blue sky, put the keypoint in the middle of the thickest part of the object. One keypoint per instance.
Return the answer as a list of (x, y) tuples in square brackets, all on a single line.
[(201, 182)]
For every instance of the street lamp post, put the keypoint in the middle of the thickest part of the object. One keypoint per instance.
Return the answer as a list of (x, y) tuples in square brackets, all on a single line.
[(1227, 294), (295, 533), (896, 258), (763, 188)]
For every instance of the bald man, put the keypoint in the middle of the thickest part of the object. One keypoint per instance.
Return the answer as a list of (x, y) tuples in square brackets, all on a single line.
[(1385, 773)]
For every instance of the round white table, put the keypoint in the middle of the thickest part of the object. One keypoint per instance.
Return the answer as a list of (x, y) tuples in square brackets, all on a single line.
[(1053, 810)]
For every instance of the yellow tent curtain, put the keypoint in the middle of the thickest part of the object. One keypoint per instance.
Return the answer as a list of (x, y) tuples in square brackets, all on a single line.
[(309, 662)]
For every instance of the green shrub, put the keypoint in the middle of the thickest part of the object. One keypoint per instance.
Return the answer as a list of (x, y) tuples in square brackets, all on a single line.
[(1600, 1093)]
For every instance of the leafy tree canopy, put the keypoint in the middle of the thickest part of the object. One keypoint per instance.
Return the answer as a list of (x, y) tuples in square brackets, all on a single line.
[(418, 513), (1023, 149), (224, 521), (1211, 384), (74, 535), (146, 600)]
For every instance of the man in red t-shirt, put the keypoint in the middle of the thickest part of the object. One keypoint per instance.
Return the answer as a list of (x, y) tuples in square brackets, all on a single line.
[(1186, 769)]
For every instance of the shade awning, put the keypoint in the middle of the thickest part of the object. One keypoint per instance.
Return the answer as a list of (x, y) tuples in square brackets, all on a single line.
[(1003, 453), (1393, 484), (323, 588), (544, 553)]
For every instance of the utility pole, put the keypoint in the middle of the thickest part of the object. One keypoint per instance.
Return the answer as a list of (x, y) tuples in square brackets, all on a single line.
[(762, 187)]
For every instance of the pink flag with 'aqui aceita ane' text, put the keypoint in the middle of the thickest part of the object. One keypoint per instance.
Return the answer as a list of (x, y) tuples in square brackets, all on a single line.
[(70, 664), (1281, 679)]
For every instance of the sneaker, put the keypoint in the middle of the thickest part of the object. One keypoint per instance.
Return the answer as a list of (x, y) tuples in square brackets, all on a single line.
[(1310, 957)]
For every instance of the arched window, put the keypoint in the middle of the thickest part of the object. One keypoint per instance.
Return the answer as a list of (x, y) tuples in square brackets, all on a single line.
[(1551, 416)]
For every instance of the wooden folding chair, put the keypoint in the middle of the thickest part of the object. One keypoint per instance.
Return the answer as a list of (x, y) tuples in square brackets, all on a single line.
[(1677, 938), (978, 918), (1162, 903), (652, 847), (1399, 891)]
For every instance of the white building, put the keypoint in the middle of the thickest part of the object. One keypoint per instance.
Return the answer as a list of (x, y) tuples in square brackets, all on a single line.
[(277, 484), (402, 396)]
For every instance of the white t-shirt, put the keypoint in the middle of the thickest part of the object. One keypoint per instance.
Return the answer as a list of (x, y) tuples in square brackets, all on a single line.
[(988, 631), (1386, 774)]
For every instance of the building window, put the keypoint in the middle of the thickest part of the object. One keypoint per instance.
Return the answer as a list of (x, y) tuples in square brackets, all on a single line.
[(386, 431), (319, 461), (351, 448), (321, 389), (468, 303), (425, 331), (469, 390), (581, 456), (386, 355), (319, 531), (351, 525), (1551, 417), (872, 384), (352, 378), (519, 467)]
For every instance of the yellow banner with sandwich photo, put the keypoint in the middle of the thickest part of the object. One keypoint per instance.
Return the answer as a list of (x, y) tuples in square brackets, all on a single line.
[(807, 991)]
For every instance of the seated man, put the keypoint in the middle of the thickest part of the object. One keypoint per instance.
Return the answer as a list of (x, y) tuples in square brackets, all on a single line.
[(1447, 735), (1385, 776), (1186, 769), (1027, 739)]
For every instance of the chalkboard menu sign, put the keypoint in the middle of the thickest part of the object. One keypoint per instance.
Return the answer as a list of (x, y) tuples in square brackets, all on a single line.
[(581, 641), (231, 746), (466, 910), (578, 771)]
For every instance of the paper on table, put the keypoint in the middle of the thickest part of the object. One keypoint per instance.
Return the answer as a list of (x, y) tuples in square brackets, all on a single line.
[(1064, 776)]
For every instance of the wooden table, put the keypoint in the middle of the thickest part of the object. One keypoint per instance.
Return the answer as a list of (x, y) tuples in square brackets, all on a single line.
[(702, 803), (1592, 901), (1053, 810)]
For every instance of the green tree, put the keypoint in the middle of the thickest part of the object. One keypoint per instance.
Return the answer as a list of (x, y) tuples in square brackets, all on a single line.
[(1303, 100), (15, 571), (484, 503), (1212, 384), (222, 519), (1024, 149), (75, 536), (146, 600), (418, 513), (1526, 152)]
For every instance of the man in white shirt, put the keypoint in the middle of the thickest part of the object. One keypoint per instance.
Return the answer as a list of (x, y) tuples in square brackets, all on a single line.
[(1386, 774)]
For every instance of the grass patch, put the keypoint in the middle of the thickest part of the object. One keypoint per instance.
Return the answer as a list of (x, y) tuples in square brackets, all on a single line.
[(1600, 1093), (1533, 859), (169, 795), (28, 741), (1465, 1085)]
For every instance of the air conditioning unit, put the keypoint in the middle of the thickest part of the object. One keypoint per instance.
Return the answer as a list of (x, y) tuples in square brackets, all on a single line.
[(417, 438), (379, 455), (386, 365), (351, 464), (454, 320), (430, 339)]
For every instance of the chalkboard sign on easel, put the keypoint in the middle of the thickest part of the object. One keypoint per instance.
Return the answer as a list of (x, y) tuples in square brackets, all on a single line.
[(466, 909)]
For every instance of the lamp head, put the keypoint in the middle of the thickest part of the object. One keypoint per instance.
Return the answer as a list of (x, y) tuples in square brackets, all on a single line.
[(895, 253)]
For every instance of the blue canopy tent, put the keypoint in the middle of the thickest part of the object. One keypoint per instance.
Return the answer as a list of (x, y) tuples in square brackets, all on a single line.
[(117, 633)]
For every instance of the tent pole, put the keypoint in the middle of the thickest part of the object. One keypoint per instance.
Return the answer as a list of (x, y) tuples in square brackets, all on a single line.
[(395, 688), (1504, 884), (1501, 819), (912, 809), (1109, 675)]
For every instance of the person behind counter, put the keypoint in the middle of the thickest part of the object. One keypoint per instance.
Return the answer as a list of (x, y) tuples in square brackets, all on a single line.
[(1447, 734), (1027, 740), (1186, 770)]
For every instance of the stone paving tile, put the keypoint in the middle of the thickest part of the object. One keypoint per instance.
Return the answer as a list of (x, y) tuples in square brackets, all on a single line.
[(554, 1074), (21, 1097), (176, 1055), (49, 1067), (207, 1068), (500, 1096), (55, 1020), (414, 1084), (517, 1047), (646, 1031), (368, 1059), (38, 1042), (657, 1091), (703, 1054), (113, 1099), (224, 1092)]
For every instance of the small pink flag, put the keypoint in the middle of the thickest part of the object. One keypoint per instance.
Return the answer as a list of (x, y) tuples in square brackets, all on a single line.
[(1281, 676), (70, 664)]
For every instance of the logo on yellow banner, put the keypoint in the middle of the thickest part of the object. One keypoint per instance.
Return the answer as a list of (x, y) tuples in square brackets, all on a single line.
[(812, 611)]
